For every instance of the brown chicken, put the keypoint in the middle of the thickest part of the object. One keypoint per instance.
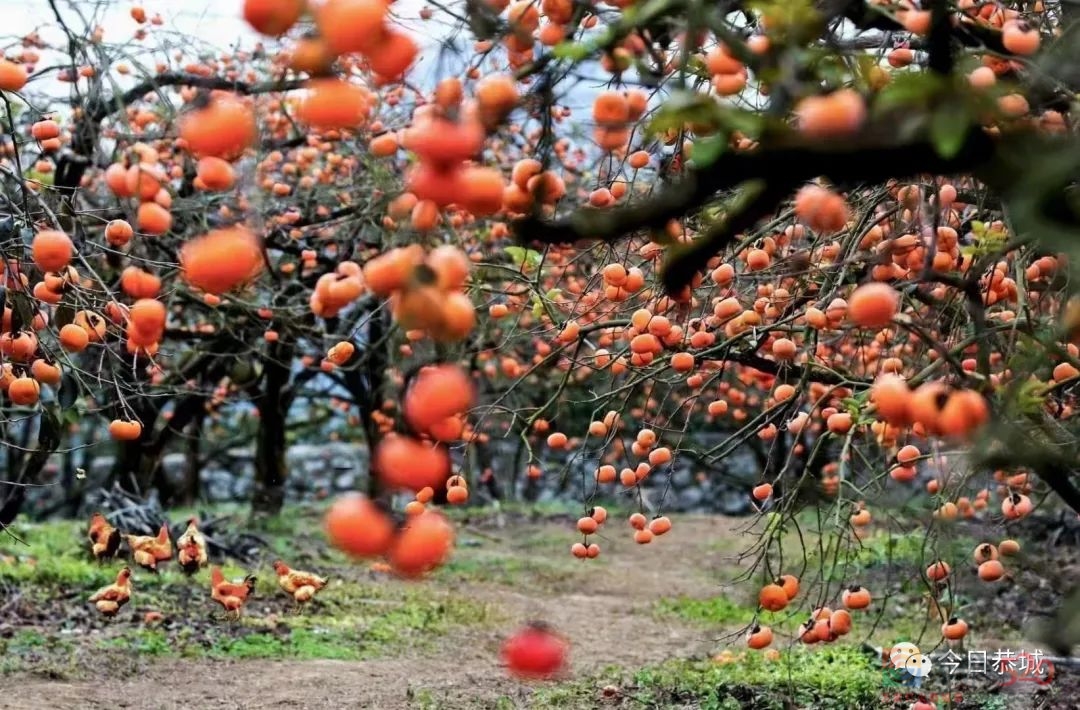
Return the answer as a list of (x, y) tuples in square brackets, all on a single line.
[(147, 551), (300, 585), (109, 599), (104, 538), (230, 595), (191, 548)]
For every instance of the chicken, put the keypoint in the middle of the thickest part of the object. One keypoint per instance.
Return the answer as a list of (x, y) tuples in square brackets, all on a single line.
[(104, 538), (147, 551), (230, 595), (109, 599), (191, 548), (300, 585)]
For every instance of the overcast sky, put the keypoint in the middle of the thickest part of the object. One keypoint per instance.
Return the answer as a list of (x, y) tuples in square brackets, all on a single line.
[(214, 23)]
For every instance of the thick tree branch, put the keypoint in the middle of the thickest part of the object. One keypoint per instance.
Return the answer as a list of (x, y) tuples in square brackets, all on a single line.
[(940, 43), (99, 109), (863, 158)]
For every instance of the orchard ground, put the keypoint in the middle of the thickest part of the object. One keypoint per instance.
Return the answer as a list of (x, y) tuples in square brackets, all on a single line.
[(646, 623)]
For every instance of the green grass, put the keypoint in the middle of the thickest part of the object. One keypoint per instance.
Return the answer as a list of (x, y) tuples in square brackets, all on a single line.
[(911, 548), (717, 611), (353, 618), (840, 677)]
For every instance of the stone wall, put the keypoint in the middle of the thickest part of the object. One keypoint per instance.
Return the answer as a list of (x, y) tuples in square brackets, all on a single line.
[(318, 471)]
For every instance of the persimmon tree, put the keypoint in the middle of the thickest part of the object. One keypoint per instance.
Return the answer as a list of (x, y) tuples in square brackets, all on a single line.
[(839, 232)]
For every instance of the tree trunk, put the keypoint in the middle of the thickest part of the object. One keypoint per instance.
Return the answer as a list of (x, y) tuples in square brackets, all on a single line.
[(483, 463), (12, 497), (366, 388), (30, 464), (273, 403)]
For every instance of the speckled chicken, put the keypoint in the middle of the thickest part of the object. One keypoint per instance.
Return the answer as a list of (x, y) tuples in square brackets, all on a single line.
[(104, 538), (300, 585), (109, 599), (148, 550)]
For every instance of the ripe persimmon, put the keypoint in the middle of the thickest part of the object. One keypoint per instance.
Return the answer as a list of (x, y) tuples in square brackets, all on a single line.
[(1016, 506), (51, 250), (660, 525), (457, 495), (153, 219), (821, 209), (383, 145), (891, 395), (223, 128), (389, 271), (837, 114), (139, 284), (44, 130), (759, 637), (118, 232), (125, 430), (772, 597), (216, 174), (964, 412), (790, 585), (423, 545), (45, 372), (1009, 548), (451, 266), (404, 462), (24, 391), (311, 55), (340, 353), (444, 143), (954, 629), (840, 622), (147, 316), (925, 405), (873, 305), (856, 597), (483, 190), (938, 571), (392, 56), (357, 526), (458, 317), (1020, 38), (334, 103), (437, 392), (94, 325), (610, 108), (13, 77), (535, 652), (351, 25), (73, 338), (497, 95), (221, 260), (273, 17), (991, 570)]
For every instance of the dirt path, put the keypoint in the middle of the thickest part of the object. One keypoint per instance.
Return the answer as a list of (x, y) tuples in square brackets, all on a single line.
[(609, 618)]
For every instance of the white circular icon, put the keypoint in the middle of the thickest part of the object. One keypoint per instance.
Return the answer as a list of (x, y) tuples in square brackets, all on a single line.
[(918, 665)]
